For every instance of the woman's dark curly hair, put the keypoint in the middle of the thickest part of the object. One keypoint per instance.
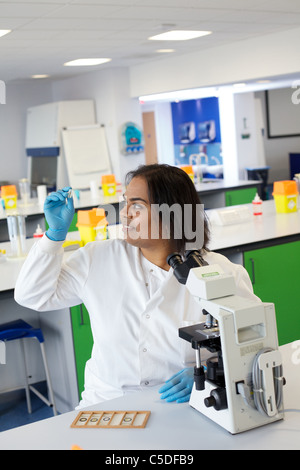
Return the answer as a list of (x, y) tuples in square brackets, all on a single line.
[(169, 185)]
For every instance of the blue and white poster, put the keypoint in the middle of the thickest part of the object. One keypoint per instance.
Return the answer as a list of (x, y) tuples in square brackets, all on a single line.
[(132, 139)]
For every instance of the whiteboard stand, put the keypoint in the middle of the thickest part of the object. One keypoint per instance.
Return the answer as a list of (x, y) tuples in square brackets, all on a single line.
[(86, 154)]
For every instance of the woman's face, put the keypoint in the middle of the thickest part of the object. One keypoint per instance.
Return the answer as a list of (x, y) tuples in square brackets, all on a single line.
[(140, 227)]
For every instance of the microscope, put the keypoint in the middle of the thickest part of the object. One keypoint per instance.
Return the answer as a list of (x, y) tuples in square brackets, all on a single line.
[(240, 387)]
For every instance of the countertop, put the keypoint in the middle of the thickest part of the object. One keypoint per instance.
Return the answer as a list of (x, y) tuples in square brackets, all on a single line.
[(269, 226), (170, 425), (87, 200), (211, 185)]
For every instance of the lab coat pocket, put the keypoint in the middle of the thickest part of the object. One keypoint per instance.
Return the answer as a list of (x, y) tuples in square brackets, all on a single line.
[(187, 353)]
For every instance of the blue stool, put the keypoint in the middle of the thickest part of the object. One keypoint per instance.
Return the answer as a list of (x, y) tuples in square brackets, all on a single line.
[(19, 329)]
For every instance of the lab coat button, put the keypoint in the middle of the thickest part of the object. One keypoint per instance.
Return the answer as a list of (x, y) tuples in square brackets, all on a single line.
[(146, 383), (147, 316), (145, 350)]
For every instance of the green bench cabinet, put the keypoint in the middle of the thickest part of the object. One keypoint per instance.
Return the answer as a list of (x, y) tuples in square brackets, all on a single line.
[(275, 276), (240, 196), (83, 341)]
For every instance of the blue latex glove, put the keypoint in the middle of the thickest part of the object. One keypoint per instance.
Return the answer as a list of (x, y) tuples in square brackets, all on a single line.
[(59, 212), (178, 388)]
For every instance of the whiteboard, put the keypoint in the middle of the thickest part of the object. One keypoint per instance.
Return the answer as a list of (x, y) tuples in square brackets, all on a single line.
[(86, 154), (283, 115)]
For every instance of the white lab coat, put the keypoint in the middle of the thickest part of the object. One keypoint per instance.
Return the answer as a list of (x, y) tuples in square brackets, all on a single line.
[(135, 310)]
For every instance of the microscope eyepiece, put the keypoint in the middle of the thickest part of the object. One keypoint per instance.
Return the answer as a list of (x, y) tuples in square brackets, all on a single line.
[(179, 267), (194, 258), (174, 260), (189, 253)]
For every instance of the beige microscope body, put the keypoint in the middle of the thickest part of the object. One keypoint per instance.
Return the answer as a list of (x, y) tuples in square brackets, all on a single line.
[(241, 387)]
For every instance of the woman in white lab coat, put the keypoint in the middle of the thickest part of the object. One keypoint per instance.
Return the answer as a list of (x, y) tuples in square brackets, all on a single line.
[(135, 303)]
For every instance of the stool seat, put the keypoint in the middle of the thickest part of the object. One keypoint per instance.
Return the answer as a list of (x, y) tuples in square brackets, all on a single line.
[(19, 329)]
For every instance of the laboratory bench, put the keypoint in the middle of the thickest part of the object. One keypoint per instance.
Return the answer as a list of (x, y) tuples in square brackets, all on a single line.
[(34, 212), (270, 228), (268, 246), (216, 193), (57, 332), (213, 193), (170, 427)]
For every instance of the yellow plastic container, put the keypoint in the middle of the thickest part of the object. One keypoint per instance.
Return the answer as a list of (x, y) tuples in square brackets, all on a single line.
[(92, 225), (9, 195), (109, 186), (285, 195), (189, 170)]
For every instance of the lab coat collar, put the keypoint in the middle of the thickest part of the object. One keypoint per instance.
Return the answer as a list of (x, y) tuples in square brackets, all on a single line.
[(141, 274)]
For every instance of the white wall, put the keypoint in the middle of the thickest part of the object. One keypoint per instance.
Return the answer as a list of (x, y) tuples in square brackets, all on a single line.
[(250, 149), (110, 91), (277, 150), (228, 135), (269, 55), (108, 88), (19, 96)]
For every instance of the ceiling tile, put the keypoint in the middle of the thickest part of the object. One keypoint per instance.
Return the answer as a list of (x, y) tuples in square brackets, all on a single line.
[(28, 10), (51, 32)]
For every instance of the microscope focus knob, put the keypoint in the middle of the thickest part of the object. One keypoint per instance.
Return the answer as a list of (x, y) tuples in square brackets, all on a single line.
[(209, 401), (217, 399)]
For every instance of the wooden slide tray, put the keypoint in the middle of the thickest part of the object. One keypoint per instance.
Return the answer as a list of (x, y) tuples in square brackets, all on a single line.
[(111, 419)]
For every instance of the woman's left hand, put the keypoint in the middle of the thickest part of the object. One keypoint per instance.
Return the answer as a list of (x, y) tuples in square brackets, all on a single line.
[(178, 388)]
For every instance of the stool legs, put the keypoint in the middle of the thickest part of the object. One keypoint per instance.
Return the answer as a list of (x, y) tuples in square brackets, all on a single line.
[(27, 386), (51, 395)]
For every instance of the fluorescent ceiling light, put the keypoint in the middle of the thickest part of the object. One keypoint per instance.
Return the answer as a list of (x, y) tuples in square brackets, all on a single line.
[(207, 92), (239, 85), (165, 51), (179, 35), (263, 81), (86, 62), (4, 31), (39, 76), (181, 95)]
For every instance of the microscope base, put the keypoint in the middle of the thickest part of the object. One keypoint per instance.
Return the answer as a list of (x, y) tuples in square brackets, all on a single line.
[(238, 417)]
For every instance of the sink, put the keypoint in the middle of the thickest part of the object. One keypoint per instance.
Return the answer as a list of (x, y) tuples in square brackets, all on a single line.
[(211, 180), (216, 170), (200, 186)]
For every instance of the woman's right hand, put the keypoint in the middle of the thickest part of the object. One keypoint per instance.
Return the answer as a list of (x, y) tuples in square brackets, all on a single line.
[(59, 211)]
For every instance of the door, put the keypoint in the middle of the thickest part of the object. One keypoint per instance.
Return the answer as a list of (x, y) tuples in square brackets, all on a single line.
[(150, 137)]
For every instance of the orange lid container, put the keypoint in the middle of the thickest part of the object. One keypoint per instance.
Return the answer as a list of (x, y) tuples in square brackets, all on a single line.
[(108, 179), (91, 218), (8, 190), (188, 169), (285, 188)]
